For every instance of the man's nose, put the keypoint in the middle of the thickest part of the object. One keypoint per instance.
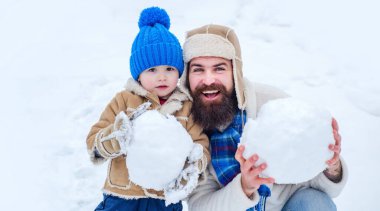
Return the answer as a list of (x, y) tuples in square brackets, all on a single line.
[(209, 79)]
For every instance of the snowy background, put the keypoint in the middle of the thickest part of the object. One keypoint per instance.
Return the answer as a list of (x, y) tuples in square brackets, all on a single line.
[(62, 61)]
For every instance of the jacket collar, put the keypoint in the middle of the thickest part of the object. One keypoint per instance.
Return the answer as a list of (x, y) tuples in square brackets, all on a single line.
[(173, 104)]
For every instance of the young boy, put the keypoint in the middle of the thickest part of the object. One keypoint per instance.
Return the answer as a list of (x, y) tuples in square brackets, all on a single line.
[(156, 63)]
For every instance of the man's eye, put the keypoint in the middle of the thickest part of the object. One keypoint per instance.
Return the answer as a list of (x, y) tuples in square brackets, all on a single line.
[(197, 70), (220, 69)]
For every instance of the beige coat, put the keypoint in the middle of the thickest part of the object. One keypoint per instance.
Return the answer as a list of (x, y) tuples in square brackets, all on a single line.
[(117, 182)]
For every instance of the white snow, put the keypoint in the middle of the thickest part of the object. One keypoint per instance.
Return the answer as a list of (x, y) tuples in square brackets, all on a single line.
[(158, 150), (157, 153), (187, 181), (62, 61), (292, 137)]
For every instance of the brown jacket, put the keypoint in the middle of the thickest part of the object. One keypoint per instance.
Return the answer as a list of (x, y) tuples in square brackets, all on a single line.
[(178, 104)]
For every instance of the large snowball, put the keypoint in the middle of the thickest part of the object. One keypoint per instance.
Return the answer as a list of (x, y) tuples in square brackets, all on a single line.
[(292, 137), (158, 150)]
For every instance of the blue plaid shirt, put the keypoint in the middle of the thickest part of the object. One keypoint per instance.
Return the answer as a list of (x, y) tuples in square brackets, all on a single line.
[(223, 147)]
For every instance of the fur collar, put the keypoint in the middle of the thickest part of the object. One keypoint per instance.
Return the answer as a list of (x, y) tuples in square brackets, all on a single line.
[(173, 104), (134, 87)]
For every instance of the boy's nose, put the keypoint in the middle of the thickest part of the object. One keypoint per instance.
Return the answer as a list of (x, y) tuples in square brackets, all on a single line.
[(161, 77)]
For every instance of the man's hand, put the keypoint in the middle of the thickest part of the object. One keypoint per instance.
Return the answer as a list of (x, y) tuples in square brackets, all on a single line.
[(334, 169), (250, 179)]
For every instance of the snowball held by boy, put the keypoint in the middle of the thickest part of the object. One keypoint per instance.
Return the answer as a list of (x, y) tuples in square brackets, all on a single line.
[(158, 150)]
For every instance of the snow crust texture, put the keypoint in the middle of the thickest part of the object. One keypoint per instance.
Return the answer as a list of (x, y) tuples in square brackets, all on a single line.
[(292, 137), (158, 150)]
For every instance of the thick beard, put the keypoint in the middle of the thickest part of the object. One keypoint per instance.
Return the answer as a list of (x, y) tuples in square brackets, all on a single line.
[(214, 114)]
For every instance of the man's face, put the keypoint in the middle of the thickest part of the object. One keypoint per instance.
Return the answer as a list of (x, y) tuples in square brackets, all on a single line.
[(212, 88), (208, 74)]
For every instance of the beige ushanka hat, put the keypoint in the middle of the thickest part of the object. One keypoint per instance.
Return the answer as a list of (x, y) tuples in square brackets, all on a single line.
[(218, 41)]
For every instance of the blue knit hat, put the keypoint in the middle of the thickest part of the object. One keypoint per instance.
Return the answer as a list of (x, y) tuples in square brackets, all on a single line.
[(154, 45)]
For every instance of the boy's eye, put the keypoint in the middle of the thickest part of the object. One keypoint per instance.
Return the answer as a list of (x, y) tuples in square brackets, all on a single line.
[(151, 69), (170, 68)]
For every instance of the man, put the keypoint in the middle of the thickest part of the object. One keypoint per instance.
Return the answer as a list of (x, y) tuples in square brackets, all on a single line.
[(223, 100)]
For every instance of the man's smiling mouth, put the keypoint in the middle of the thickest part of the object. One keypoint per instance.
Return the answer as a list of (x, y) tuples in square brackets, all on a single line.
[(211, 94)]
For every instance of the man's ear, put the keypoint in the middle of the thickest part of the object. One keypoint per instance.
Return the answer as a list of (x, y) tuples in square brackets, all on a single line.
[(187, 84)]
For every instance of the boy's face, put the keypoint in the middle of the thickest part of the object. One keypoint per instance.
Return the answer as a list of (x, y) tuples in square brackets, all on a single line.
[(160, 80)]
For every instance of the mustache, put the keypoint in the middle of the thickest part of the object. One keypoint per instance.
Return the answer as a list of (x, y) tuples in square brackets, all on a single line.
[(201, 88)]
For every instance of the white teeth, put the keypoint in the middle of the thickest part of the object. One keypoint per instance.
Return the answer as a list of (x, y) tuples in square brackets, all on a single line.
[(210, 92)]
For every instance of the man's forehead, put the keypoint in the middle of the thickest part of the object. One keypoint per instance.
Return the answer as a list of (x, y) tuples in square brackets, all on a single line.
[(209, 61)]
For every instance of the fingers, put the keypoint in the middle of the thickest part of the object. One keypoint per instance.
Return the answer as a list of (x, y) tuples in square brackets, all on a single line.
[(333, 160), (249, 166), (335, 124), (256, 180), (337, 137), (267, 181), (239, 155), (257, 170), (338, 140), (335, 148), (250, 172), (250, 163)]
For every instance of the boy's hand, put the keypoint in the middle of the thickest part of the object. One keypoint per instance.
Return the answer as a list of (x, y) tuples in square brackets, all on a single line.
[(250, 179), (113, 140)]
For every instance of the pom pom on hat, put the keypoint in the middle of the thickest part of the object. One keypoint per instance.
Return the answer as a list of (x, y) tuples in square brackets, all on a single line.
[(155, 45), (152, 15)]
